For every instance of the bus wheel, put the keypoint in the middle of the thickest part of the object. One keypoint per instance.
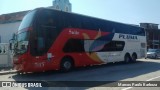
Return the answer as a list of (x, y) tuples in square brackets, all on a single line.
[(134, 57), (66, 65), (155, 57), (127, 58)]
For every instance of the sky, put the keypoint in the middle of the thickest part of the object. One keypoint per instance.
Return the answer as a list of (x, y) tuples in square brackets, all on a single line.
[(125, 11)]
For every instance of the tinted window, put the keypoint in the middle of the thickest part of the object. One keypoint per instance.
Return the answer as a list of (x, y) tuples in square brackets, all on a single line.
[(46, 30), (78, 45), (104, 46), (114, 46), (74, 45), (87, 24)]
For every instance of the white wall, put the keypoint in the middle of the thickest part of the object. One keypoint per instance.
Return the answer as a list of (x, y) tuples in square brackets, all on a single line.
[(7, 30), (5, 55)]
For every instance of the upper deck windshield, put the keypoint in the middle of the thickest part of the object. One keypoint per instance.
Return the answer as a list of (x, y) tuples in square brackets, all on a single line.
[(27, 20), (23, 33)]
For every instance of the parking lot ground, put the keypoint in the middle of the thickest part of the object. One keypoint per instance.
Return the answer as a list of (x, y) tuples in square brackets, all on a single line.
[(143, 70)]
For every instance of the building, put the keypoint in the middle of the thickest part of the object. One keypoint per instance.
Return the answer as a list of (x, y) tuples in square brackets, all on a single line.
[(9, 23), (63, 5), (153, 35)]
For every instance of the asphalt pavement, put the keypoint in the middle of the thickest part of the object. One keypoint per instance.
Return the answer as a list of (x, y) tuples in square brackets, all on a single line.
[(143, 70)]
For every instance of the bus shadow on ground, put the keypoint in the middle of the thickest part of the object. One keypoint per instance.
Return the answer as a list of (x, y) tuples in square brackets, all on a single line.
[(78, 69), (90, 76)]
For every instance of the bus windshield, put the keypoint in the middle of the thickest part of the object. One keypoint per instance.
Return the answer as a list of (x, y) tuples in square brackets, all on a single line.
[(22, 42), (23, 33)]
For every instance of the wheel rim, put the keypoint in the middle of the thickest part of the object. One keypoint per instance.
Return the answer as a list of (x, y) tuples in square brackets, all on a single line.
[(67, 65), (127, 59), (134, 58)]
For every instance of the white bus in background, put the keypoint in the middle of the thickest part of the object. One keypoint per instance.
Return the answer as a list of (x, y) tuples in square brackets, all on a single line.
[(5, 56)]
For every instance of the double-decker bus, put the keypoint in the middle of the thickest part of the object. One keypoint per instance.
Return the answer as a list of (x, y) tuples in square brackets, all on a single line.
[(49, 39)]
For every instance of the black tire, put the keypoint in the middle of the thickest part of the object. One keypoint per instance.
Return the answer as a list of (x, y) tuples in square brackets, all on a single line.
[(66, 65), (134, 58), (127, 58)]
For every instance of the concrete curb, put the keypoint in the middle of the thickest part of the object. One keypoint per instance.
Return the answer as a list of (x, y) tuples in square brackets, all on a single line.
[(8, 72)]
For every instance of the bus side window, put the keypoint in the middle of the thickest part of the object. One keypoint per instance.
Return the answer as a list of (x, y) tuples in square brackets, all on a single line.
[(74, 45), (114, 46)]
